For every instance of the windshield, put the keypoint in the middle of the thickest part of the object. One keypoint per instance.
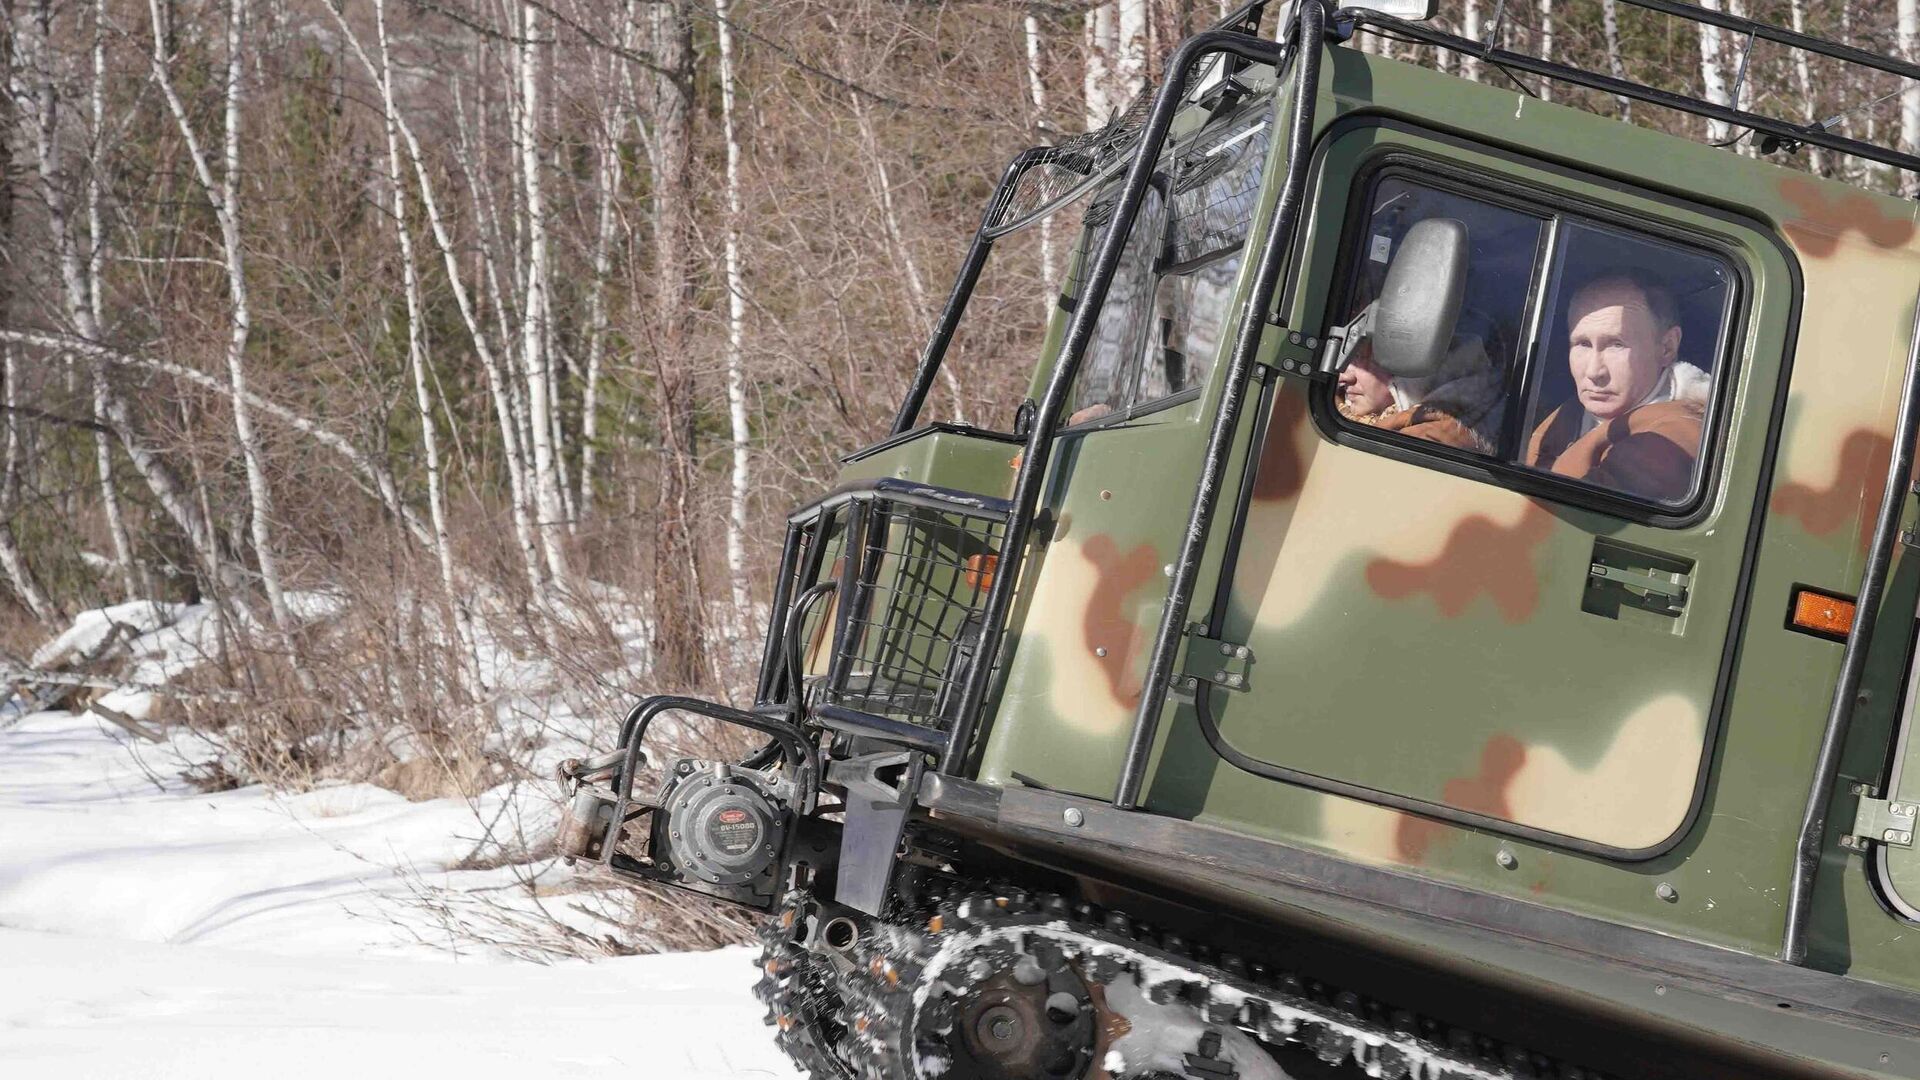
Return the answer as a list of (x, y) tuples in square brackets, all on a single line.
[(1166, 312)]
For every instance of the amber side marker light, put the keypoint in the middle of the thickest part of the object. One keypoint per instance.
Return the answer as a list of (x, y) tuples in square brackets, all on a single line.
[(1820, 614), (980, 570)]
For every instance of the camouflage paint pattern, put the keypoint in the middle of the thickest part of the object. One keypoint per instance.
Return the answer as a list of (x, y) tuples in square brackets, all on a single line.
[(1421, 633)]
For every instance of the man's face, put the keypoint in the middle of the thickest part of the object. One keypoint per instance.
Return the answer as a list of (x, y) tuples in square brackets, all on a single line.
[(1616, 348), (1363, 387)]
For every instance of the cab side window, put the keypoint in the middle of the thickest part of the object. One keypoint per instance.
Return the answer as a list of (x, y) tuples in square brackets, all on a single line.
[(1168, 310), (1581, 350), (1464, 403), (1631, 330)]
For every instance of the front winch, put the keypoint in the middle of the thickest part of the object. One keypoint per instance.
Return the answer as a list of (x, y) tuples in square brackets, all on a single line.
[(718, 823)]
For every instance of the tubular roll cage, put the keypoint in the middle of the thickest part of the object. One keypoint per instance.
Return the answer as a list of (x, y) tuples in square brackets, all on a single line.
[(780, 694)]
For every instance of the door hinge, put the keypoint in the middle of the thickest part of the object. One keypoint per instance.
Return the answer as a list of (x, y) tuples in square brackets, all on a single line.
[(1879, 821), (1226, 664), (1300, 356)]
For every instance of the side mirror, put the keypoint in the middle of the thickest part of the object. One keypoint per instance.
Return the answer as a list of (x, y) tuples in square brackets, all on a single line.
[(1414, 317)]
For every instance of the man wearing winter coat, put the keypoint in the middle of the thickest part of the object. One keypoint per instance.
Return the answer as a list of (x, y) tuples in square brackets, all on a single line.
[(1635, 422), (1459, 405)]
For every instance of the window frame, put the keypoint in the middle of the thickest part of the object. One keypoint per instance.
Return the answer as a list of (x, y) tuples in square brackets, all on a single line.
[(1250, 105), (1559, 208)]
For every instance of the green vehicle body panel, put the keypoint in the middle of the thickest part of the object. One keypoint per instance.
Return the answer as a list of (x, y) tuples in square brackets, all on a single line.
[(948, 459), (1420, 633)]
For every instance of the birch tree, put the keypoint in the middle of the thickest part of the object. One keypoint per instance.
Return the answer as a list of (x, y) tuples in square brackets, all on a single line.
[(1037, 94), (1803, 76), (131, 579), (442, 545), (1470, 29), (535, 357), (1130, 61), (1545, 86), (1713, 77), (736, 328), (1616, 64), (222, 193), (12, 562), (1099, 42)]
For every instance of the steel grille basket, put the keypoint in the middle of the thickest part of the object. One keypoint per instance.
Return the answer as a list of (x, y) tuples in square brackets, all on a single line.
[(889, 583)]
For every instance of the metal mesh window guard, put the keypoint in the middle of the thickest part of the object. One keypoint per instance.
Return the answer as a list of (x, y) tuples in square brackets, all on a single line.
[(1077, 164), (1214, 185), (1072, 167), (896, 636)]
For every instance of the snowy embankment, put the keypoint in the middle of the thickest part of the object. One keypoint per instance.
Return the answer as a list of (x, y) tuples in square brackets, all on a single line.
[(149, 928)]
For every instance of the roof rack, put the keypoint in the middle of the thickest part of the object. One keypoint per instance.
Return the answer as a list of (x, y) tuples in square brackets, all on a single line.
[(1783, 134)]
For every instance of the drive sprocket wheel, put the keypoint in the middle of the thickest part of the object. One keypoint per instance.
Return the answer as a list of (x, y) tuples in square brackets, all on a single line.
[(1020, 1023), (800, 990)]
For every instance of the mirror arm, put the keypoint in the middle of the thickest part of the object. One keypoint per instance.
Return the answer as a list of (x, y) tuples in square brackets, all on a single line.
[(1342, 342)]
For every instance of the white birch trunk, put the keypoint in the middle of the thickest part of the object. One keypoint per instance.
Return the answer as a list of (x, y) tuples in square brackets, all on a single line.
[(1713, 75), (1130, 62), (1735, 56), (1101, 37), (442, 546), (551, 525), (223, 194), (1037, 94), (499, 379), (81, 295), (1545, 86), (1803, 75), (1616, 64), (736, 330), (124, 565), (11, 560), (608, 172), (1470, 29)]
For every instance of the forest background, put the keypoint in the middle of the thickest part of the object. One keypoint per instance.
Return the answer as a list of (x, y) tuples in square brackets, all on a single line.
[(430, 341)]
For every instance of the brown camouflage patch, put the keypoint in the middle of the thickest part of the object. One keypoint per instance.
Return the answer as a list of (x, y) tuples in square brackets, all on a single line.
[(1823, 511), (1106, 621), (1281, 471), (1481, 556), (1822, 223), (1484, 793)]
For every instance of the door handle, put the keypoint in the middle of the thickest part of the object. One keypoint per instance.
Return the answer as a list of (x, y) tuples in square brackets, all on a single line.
[(1621, 576), (1671, 586)]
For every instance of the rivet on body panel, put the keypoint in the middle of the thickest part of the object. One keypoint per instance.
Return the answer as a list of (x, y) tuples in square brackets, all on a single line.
[(1075, 817), (1506, 859), (1105, 495), (1167, 570), (1666, 892), (1100, 650)]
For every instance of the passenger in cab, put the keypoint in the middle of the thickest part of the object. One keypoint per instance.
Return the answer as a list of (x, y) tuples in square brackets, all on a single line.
[(1638, 411), (1460, 405)]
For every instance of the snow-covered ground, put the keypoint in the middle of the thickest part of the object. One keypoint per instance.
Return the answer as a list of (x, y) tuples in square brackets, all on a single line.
[(150, 929)]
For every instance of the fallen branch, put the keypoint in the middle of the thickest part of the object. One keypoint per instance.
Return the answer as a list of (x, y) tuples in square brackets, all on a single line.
[(31, 677), (115, 716)]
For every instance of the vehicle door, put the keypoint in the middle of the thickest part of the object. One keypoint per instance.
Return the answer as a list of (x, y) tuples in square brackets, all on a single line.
[(1499, 594)]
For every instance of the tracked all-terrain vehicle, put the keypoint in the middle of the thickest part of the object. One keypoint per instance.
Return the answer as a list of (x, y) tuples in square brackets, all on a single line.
[(1447, 609)]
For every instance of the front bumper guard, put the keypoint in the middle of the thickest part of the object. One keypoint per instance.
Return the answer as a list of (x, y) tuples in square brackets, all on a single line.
[(602, 802)]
